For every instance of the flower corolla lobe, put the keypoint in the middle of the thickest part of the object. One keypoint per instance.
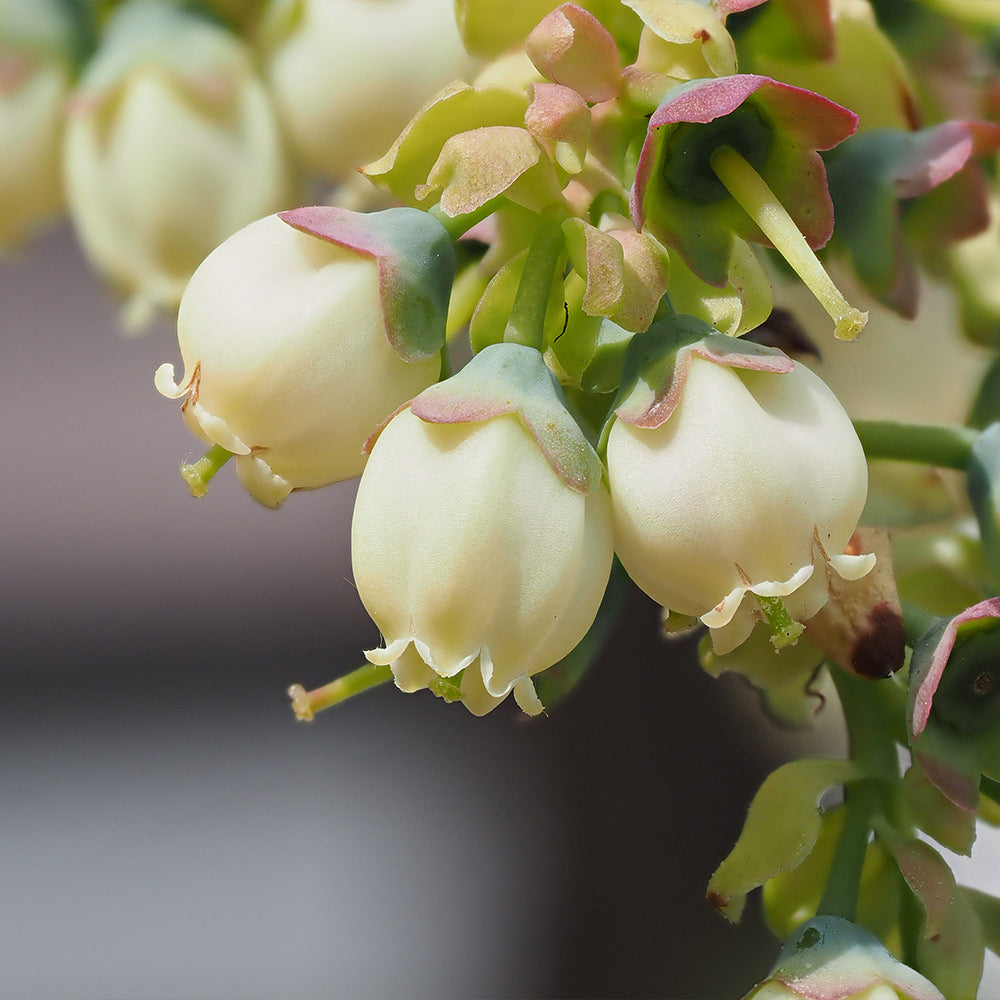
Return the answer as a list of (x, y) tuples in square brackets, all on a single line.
[(733, 470), (481, 554)]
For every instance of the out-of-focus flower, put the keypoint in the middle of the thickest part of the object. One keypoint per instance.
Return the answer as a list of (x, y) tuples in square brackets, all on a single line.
[(347, 76), (732, 469), (830, 958), (899, 207), (171, 146), (679, 42), (37, 43), (302, 332), (853, 61), (481, 538)]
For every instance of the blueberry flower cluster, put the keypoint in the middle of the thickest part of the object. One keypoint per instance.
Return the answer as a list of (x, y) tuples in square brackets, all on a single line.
[(654, 294)]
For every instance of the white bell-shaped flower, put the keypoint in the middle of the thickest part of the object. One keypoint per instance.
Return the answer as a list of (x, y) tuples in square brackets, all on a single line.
[(733, 470), (347, 76), (481, 538), (37, 44), (302, 332), (171, 146)]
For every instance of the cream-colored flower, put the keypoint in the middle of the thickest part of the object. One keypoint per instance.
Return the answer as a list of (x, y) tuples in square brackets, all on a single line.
[(481, 538), (292, 349), (36, 40), (347, 76), (746, 477), (171, 146)]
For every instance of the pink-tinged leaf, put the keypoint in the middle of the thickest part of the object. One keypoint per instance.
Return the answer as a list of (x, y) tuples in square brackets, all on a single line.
[(940, 152), (929, 877), (477, 166), (559, 119), (929, 668), (571, 47)]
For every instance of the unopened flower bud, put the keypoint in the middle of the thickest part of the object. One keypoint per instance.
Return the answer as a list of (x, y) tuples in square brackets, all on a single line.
[(302, 332), (481, 538), (171, 146), (733, 470)]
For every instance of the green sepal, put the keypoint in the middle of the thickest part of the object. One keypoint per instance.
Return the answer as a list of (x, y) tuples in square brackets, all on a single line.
[(832, 957), (514, 379), (792, 682), (951, 823), (741, 305), (781, 828), (776, 128), (416, 268), (556, 682), (657, 362), (928, 876), (590, 350)]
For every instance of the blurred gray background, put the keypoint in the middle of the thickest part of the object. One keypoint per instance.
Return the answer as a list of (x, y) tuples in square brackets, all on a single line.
[(168, 830)]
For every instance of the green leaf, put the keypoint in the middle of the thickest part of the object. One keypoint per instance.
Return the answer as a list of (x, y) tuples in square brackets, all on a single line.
[(983, 485), (987, 908), (781, 829), (953, 958)]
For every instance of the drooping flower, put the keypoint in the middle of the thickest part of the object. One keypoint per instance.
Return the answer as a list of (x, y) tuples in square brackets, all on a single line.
[(481, 539), (347, 76), (733, 471), (171, 146), (36, 68), (302, 332)]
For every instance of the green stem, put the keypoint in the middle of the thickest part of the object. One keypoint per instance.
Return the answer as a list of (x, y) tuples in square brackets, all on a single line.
[(753, 195), (929, 444), (458, 225), (872, 745), (305, 704), (785, 630), (199, 474), (526, 324), (916, 622)]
